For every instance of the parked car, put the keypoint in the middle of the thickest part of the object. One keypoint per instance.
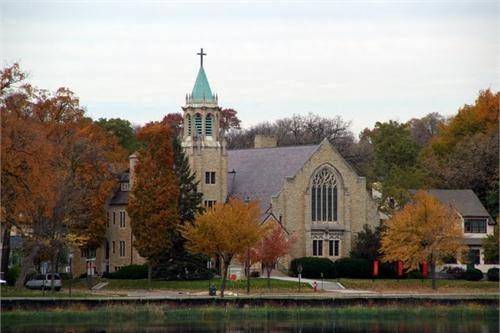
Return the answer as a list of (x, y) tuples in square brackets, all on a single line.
[(43, 281)]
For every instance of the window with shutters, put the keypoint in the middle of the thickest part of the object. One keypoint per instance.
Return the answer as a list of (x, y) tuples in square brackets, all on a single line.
[(198, 124), (208, 124)]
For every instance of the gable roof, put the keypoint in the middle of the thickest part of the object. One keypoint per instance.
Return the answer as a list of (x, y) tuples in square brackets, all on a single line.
[(464, 201), (259, 173)]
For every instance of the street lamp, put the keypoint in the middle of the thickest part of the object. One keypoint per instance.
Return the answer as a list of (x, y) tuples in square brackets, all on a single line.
[(299, 270)]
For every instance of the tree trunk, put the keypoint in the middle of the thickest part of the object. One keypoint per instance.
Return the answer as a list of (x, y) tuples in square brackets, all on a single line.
[(224, 277), (5, 251), (269, 270), (52, 270), (433, 273), (150, 273), (27, 262)]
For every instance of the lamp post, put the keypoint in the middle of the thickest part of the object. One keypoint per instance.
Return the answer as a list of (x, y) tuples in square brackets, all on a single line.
[(299, 270), (70, 256)]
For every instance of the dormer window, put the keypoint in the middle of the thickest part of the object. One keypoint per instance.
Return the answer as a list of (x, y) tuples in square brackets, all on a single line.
[(475, 225), (125, 187)]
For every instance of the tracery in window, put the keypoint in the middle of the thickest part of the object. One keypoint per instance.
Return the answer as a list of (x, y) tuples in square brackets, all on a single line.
[(324, 196)]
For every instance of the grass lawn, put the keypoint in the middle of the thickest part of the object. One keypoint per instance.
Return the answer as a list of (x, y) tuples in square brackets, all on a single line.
[(8, 291), (417, 285), (256, 285)]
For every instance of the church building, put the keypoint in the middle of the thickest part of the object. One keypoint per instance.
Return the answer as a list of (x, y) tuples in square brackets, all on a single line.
[(311, 191)]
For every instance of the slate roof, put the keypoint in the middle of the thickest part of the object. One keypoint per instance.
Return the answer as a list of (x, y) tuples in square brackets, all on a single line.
[(260, 173), (464, 201), (120, 197)]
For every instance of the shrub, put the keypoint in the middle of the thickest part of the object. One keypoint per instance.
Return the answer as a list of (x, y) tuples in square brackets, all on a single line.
[(64, 276), (492, 274), (455, 272), (352, 268), (133, 272), (414, 275), (255, 274), (12, 275), (473, 274), (312, 267)]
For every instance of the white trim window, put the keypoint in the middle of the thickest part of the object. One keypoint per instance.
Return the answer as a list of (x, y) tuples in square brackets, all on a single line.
[(324, 196)]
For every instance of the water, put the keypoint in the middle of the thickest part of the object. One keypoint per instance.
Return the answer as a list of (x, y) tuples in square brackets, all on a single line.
[(338, 325)]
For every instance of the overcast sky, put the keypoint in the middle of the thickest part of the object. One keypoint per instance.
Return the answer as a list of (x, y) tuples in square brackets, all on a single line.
[(366, 61)]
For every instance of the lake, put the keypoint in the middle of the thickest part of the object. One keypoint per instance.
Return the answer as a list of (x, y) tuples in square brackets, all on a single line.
[(322, 324)]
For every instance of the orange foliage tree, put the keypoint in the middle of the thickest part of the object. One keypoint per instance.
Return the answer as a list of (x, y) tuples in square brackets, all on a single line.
[(57, 169), (273, 246), (425, 229), (153, 204), (226, 230)]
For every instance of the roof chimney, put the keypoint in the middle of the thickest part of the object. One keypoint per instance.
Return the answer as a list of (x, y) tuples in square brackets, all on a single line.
[(265, 141)]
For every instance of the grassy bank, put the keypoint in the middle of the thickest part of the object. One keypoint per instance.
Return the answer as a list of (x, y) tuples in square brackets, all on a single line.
[(256, 285), (160, 313), (417, 285), (8, 291)]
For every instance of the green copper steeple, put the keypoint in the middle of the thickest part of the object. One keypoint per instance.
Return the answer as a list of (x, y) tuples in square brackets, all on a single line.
[(201, 90)]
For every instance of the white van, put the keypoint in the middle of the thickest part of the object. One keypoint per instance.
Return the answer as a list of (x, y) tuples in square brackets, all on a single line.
[(43, 281)]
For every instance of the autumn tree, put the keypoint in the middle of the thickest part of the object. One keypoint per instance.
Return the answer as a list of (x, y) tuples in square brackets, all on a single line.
[(425, 229), (153, 203), (59, 171), (226, 230), (229, 119), (274, 245)]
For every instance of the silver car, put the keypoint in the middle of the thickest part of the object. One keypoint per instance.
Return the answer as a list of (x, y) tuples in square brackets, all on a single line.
[(43, 281)]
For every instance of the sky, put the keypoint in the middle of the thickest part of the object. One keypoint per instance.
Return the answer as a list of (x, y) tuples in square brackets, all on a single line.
[(366, 61)]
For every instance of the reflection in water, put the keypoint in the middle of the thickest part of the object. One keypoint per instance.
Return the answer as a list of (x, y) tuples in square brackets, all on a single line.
[(380, 325)]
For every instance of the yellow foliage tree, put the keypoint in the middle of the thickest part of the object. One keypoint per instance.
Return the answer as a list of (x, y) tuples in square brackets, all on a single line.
[(425, 229), (226, 230)]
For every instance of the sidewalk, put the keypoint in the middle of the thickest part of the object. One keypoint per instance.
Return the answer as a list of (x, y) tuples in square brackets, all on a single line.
[(323, 285)]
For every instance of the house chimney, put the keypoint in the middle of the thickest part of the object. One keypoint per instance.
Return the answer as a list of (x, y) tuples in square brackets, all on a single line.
[(132, 160), (265, 141)]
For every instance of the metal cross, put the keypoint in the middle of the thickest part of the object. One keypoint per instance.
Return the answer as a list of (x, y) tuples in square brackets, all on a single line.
[(201, 54)]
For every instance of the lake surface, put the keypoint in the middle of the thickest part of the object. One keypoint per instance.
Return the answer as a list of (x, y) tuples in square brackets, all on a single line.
[(378, 325)]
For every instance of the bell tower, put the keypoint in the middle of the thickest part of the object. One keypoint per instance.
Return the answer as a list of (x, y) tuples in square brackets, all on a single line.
[(203, 140)]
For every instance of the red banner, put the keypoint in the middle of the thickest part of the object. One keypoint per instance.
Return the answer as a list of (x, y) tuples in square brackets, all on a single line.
[(375, 268), (400, 268), (425, 269)]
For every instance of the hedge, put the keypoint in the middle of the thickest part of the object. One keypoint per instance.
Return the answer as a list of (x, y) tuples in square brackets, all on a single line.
[(473, 274), (312, 267), (492, 274), (134, 272), (352, 268)]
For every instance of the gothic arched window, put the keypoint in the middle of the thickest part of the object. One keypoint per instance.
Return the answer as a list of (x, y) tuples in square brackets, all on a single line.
[(324, 196), (197, 124), (208, 125), (189, 124)]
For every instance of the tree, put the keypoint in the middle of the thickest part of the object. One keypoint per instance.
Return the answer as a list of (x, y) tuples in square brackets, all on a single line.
[(491, 247), (424, 129), (366, 243), (274, 245), (465, 152), (57, 170), (189, 204), (229, 119), (123, 131), (424, 229), (226, 230), (175, 121), (153, 204)]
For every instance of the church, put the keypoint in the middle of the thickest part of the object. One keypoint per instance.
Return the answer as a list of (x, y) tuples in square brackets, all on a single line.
[(310, 191)]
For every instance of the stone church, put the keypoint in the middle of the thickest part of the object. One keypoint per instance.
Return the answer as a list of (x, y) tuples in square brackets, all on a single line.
[(310, 191)]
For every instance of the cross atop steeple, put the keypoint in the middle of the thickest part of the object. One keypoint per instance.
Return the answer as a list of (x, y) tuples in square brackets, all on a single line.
[(201, 54)]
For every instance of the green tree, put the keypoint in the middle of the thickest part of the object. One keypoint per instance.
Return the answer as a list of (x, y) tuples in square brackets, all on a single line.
[(366, 244), (123, 130), (491, 246)]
